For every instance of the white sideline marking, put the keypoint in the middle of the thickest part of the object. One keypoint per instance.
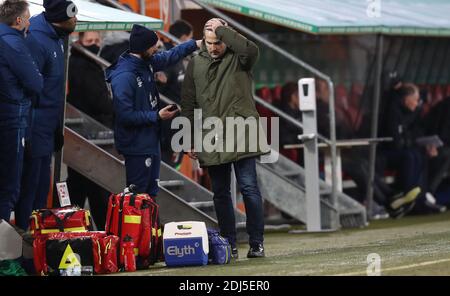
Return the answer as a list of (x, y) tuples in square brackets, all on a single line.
[(397, 268)]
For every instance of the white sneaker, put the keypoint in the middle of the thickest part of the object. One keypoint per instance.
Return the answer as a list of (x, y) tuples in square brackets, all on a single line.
[(430, 198)]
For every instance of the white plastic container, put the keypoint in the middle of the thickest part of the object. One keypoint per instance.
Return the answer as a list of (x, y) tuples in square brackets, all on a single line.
[(185, 243)]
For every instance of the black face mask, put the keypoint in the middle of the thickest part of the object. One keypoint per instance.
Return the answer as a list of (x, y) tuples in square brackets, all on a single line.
[(93, 48)]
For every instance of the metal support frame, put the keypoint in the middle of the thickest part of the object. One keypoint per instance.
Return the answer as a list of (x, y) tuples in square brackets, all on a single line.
[(408, 59), (332, 141), (348, 218), (443, 66), (308, 107), (374, 128), (142, 7), (58, 156), (433, 58), (422, 60)]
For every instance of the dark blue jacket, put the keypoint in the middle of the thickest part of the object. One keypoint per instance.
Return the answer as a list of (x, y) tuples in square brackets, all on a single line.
[(20, 80), (136, 99), (47, 49)]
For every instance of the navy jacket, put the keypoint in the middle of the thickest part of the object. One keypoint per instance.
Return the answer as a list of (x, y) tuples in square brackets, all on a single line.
[(136, 99), (20, 80), (47, 49)]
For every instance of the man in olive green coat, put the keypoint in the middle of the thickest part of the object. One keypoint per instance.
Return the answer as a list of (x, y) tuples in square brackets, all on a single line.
[(218, 82)]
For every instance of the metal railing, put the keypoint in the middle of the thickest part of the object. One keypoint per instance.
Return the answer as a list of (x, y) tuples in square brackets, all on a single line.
[(331, 142), (105, 64)]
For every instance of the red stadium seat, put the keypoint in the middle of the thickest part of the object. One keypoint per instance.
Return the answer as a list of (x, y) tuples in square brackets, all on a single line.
[(276, 93), (265, 94), (341, 96), (447, 90), (438, 94)]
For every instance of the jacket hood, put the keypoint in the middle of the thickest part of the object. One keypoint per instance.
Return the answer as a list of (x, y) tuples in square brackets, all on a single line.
[(7, 30), (40, 24), (126, 63)]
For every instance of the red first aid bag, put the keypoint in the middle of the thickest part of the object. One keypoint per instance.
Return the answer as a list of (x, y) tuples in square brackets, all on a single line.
[(136, 216), (66, 219), (75, 253)]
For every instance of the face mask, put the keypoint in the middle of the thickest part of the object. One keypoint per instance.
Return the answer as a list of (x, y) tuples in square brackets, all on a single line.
[(93, 48)]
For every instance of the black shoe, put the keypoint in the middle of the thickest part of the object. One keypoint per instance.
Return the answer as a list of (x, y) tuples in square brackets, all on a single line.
[(256, 251), (234, 253), (402, 211), (401, 199)]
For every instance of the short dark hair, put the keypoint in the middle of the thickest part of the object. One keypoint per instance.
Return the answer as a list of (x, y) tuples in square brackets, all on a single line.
[(10, 10), (180, 28)]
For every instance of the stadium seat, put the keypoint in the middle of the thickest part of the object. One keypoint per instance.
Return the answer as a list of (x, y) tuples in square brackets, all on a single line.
[(265, 94), (341, 97), (276, 93), (447, 90), (437, 93)]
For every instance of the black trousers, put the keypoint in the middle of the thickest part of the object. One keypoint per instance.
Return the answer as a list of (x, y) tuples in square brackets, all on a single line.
[(81, 188)]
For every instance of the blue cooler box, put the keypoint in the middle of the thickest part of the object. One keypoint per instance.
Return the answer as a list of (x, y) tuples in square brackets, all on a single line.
[(185, 243)]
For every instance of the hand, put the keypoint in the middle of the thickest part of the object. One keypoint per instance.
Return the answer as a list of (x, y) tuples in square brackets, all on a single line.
[(214, 23), (192, 154), (165, 114), (161, 77), (199, 43), (432, 151)]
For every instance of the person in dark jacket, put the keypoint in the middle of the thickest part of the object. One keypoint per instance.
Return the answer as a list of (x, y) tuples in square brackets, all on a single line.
[(220, 83), (136, 105), (404, 154), (356, 165), (20, 80), (289, 132), (45, 41), (170, 86), (88, 93), (437, 122)]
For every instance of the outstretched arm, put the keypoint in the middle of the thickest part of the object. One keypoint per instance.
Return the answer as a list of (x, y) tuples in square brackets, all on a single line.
[(162, 60)]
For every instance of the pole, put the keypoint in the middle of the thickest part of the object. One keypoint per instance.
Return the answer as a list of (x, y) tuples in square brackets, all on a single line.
[(374, 128), (59, 155), (303, 65), (142, 7), (307, 104)]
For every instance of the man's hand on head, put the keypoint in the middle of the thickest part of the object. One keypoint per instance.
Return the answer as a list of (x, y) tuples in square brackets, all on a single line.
[(214, 23)]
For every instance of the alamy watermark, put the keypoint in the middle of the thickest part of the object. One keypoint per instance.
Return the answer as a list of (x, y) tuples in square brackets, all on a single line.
[(233, 134), (373, 8), (373, 264)]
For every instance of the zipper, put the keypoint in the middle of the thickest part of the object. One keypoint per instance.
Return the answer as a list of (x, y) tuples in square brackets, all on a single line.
[(119, 232)]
